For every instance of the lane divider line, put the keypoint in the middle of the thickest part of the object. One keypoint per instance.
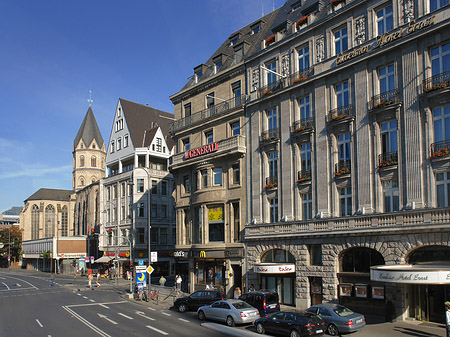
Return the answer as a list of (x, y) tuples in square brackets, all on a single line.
[(165, 313), (184, 320), (157, 330), (86, 322), (40, 324), (123, 315)]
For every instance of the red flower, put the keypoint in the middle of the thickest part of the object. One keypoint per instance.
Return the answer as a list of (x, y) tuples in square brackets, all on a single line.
[(302, 21), (270, 40)]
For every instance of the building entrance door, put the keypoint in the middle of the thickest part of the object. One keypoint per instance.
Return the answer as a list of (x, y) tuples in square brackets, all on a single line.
[(428, 302)]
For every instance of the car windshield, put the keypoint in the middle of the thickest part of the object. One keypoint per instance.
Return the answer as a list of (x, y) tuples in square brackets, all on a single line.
[(271, 298), (241, 305), (342, 311)]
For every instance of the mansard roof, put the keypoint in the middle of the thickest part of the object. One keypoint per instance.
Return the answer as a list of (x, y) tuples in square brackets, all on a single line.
[(89, 131), (143, 121), (50, 194)]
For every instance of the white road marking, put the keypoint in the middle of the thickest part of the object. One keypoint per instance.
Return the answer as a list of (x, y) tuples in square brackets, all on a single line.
[(40, 324), (123, 315), (91, 300), (2, 278), (6, 285), (184, 320), (142, 314), (108, 319), (79, 294), (22, 281), (85, 322), (85, 297), (165, 313), (157, 330), (150, 308), (88, 304), (104, 306)]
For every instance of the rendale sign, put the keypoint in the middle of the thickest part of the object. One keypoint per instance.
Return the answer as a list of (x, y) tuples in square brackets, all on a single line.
[(411, 277), (275, 269)]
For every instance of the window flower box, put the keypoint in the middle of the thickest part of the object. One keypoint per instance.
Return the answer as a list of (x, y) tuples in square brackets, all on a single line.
[(268, 138), (340, 116), (342, 171), (265, 93), (384, 102), (270, 40), (300, 128), (436, 86), (303, 179), (300, 78), (302, 21), (388, 162), (443, 152), (336, 2), (271, 185)]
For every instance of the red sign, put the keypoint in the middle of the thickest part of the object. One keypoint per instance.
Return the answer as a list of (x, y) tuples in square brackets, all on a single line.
[(200, 151)]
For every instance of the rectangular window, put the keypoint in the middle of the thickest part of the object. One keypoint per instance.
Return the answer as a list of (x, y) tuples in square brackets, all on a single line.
[(236, 222), (140, 210), (140, 235), (345, 201), (187, 184), (108, 193), (344, 148), (303, 58), (271, 75), (198, 76), (210, 103), (114, 192), (158, 144), (389, 137), (441, 123), (342, 95), (187, 110), (154, 187), (125, 141), (315, 255), (443, 189), (122, 213), (273, 166), (391, 196), (256, 28), (140, 185), (436, 4), (385, 20), (164, 187), (217, 176), (154, 210), (235, 128), (217, 66), (186, 144), (197, 230), (204, 178), (236, 88), (164, 211), (440, 59), (305, 154), (209, 137), (272, 122), (163, 236), (273, 210), (305, 108), (119, 144), (386, 77), (340, 41), (154, 235), (236, 174), (307, 206), (112, 146)]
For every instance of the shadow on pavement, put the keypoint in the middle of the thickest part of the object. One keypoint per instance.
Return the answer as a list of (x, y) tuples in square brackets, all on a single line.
[(415, 332)]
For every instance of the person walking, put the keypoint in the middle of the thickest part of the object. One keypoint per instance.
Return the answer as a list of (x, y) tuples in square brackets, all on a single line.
[(178, 280), (162, 281), (447, 317), (252, 287), (98, 278), (237, 293), (90, 280)]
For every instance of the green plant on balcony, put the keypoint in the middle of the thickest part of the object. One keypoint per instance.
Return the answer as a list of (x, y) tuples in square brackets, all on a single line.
[(270, 40), (268, 138), (266, 92), (342, 171), (302, 21), (436, 86), (388, 162), (299, 128), (300, 78), (384, 102), (271, 185), (303, 179), (339, 116), (442, 152)]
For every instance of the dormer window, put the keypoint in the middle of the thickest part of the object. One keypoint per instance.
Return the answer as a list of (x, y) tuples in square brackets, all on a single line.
[(256, 28), (296, 5), (198, 76), (234, 40)]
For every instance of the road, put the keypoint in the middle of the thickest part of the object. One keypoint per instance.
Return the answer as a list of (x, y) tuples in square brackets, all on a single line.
[(31, 307)]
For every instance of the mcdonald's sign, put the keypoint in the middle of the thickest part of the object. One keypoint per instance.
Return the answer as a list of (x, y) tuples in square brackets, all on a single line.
[(202, 253)]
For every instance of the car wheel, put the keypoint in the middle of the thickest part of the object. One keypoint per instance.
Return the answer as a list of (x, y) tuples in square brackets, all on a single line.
[(332, 330), (294, 333), (182, 308), (201, 315), (260, 328), (230, 321)]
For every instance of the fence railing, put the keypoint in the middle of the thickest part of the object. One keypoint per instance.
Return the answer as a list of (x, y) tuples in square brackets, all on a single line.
[(436, 82), (385, 99), (440, 149), (342, 167), (342, 112), (269, 135), (387, 159), (302, 124)]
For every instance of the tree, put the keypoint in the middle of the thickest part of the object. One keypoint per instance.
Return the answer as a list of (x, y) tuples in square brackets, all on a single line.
[(11, 237)]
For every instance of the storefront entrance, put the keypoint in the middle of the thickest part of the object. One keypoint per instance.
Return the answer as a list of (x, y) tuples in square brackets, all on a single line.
[(427, 302), (283, 285)]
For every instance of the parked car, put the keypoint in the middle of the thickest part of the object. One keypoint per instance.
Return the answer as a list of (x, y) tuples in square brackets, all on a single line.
[(338, 318), (198, 299), (229, 311), (292, 323), (265, 301)]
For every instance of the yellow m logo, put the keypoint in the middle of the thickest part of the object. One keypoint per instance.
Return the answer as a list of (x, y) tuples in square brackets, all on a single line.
[(202, 253)]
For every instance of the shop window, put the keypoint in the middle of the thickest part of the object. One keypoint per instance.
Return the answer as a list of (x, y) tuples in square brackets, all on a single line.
[(216, 224), (436, 255), (315, 255), (359, 260), (278, 255)]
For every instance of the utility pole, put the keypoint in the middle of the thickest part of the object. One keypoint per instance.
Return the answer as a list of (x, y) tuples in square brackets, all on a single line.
[(9, 248)]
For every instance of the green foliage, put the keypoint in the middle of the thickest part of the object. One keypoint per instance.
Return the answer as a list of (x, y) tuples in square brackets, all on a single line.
[(11, 237)]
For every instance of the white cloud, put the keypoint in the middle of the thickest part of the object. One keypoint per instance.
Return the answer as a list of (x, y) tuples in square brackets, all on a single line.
[(35, 172)]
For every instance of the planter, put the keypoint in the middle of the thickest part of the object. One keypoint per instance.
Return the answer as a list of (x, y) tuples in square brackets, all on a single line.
[(436, 86), (302, 21), (270, 40), (270, 186)]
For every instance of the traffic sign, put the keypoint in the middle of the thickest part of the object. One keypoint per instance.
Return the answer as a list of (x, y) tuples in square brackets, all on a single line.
[(92, 259), (150, 270), (141, 278), (141, 262)]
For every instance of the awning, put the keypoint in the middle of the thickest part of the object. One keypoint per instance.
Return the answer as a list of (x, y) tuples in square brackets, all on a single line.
[(411, 274), (274, 268), (103, 259)]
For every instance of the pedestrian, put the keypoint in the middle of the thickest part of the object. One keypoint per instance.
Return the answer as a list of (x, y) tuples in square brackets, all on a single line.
[(162, 281), (98, 278), (252, 287), (210, 286), (237, 293), (90, 280), (447, 317), (178, 280), (128, 275)]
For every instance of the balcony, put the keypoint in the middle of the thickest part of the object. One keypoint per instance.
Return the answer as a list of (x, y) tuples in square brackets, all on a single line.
[(396, 222), (269, 136), (385, 100), (343, 168), (228, 146), (301, 76), (341, 114), (304, 176), (440, 149), (271, 88), (200, 117), (388, 159), (271, 183), (437, 82), (303, 126)]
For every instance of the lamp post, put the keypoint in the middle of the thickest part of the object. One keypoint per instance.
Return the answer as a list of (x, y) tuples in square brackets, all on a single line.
[(130, 239), (9, 248)]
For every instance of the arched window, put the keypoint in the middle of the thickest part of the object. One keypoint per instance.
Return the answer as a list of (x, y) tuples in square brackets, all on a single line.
[(278, 256), (81, 161), (359, 260), (93, 179), (437, 255), (81, 181), (34, 222), (64, 221), (49, 229), (94, 161)]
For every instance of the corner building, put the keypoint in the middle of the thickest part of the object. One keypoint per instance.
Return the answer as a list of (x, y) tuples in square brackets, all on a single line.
[(348, 112), (210, 166)]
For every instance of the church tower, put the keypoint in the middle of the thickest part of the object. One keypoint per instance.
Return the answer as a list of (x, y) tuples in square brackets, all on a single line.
[(89, 153)]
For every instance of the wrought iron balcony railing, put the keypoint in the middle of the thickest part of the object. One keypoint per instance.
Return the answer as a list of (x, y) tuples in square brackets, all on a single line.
[(271, 182), (342, 168), (304, 176), (216, 110), (440, 149), (301, 76), (343, 112), (387, 159), (271, 88), (385, 99), (439, 81), (303, 124), (270, 135)]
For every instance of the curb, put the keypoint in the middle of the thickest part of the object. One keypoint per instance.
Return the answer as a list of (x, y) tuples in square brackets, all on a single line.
[(230, 331)]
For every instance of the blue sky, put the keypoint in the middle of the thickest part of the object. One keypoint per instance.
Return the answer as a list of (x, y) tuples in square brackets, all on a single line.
[(53, 52)]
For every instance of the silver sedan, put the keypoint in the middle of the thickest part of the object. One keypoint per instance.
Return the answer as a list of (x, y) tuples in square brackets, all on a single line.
[(230, 311)]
